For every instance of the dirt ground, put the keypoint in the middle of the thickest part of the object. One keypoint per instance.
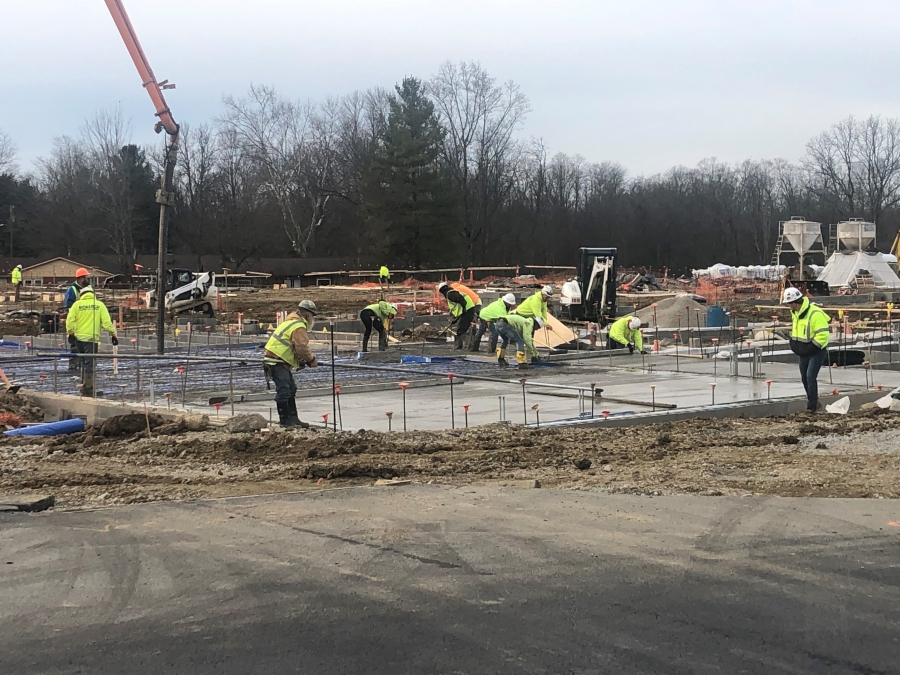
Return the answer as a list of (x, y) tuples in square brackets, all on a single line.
[(857, 455)]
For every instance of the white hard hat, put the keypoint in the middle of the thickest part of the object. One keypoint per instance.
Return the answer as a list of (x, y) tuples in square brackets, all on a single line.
[(791, 295), (509, 299), (538, 322), (441, 286), (18, 267), (547, 290), (307, 306), (394, 305), (634, 323)]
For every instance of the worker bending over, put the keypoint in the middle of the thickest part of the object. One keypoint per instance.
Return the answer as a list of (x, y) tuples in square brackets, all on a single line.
[(520, 331), (288, 348), (384, 277), (536, 305), (464, 304), (82, 279), (809, 341), (626, 332), (16, 279), (488, 318), (377, 316), (85, 319)]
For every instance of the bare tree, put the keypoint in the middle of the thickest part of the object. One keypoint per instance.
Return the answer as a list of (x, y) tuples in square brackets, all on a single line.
[(8, 153), (294, 145), (480, 117)]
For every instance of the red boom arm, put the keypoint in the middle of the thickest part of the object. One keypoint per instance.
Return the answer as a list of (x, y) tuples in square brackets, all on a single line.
[(154, 88)]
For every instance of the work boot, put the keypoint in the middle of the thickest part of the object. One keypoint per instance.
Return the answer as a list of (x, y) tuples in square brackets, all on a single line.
[(382, 342), (74, 363), (293, 419), (475, 343), (492, 344), (521, 358), (283, 413), (501, 357), (536, 358), (87, 384), (458, 343)]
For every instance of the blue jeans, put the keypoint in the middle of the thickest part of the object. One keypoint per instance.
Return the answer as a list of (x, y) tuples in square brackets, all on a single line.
[(509, 334), (285, 387), (809, 371)]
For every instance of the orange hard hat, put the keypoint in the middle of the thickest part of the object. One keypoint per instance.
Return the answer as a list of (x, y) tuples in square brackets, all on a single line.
[(82, 272)]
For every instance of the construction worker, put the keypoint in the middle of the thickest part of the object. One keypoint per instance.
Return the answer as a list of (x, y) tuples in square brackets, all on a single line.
[(464, 304), (86, 317), (536, 305), (626, 332), (289, 348), (520, 331), (377, 316), (384, 277), (82, 279), (809, 341), (16, 279), (488, 317)]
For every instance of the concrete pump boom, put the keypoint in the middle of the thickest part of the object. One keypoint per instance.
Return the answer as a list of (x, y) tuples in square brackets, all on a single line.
[(165, 197)]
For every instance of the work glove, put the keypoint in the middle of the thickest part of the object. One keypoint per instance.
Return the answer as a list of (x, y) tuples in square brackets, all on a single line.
[(631, 349), (115, 341), (314, 363), (644, 352), (72, 341)]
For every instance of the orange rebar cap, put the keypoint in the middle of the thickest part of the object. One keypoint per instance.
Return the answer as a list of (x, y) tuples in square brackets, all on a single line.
[(82, 272)]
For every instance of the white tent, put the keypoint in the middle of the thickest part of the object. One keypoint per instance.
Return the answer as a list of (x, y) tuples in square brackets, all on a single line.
[(842, 268)]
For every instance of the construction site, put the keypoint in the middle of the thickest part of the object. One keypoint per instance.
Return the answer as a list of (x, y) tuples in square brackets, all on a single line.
[(711, 404)]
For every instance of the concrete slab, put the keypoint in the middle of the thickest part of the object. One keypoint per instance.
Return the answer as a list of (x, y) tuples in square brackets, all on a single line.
[(430, 579)]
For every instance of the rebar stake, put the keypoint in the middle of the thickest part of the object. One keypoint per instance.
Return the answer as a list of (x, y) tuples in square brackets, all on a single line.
[(524, 404), (403, 386), (390, 415), (466, 413), (768, 390), (450, 376), (712, 386)]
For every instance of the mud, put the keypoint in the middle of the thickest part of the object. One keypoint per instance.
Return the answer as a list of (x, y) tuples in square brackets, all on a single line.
[(777, 456)]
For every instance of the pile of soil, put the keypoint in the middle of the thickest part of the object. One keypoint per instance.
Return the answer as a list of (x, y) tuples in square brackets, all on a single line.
[(672, 311), (857, 455)]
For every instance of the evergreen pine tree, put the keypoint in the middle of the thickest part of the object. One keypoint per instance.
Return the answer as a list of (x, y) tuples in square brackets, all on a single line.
[(408, 204)]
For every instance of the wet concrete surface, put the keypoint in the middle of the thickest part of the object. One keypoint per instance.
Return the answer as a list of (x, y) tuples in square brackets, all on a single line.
[(429, 579)]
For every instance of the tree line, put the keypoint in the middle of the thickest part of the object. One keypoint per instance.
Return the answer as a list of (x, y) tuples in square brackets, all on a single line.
[(436, 172)]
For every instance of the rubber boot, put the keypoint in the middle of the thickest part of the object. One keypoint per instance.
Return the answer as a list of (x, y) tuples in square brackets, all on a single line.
[(492, 344), (521, 358), (458, 343), (501, 357), (283, 413), (475, 343), (293, 419), (87, 384), (382, 342)]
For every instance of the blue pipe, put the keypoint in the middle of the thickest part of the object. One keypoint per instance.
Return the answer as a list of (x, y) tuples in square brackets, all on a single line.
[(49, 429)]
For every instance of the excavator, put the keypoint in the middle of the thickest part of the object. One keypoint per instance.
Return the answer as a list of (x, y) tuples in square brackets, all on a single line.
[(165, 196)]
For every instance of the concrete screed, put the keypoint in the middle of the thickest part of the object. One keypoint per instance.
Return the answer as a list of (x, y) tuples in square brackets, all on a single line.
[(434, 579)]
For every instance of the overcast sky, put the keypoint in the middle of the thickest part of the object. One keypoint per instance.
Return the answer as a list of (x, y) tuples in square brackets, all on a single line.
[(650, 84)]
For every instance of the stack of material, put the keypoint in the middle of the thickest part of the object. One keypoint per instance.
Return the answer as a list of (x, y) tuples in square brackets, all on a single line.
[(674, 312)]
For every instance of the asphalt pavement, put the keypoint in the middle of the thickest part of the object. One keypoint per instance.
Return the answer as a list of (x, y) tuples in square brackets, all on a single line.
[(434, 579)]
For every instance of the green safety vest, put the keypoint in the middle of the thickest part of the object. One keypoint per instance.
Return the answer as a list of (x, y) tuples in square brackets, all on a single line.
[(494, 311), (620, 332), (382, 309), (809, 325), (457, 309), (280, 342), (532, 306)]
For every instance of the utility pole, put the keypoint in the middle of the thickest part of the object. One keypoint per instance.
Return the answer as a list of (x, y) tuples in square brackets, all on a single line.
[(12, 223)]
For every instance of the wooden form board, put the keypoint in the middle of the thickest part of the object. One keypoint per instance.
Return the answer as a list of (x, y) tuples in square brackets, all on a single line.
[(560, 334)]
